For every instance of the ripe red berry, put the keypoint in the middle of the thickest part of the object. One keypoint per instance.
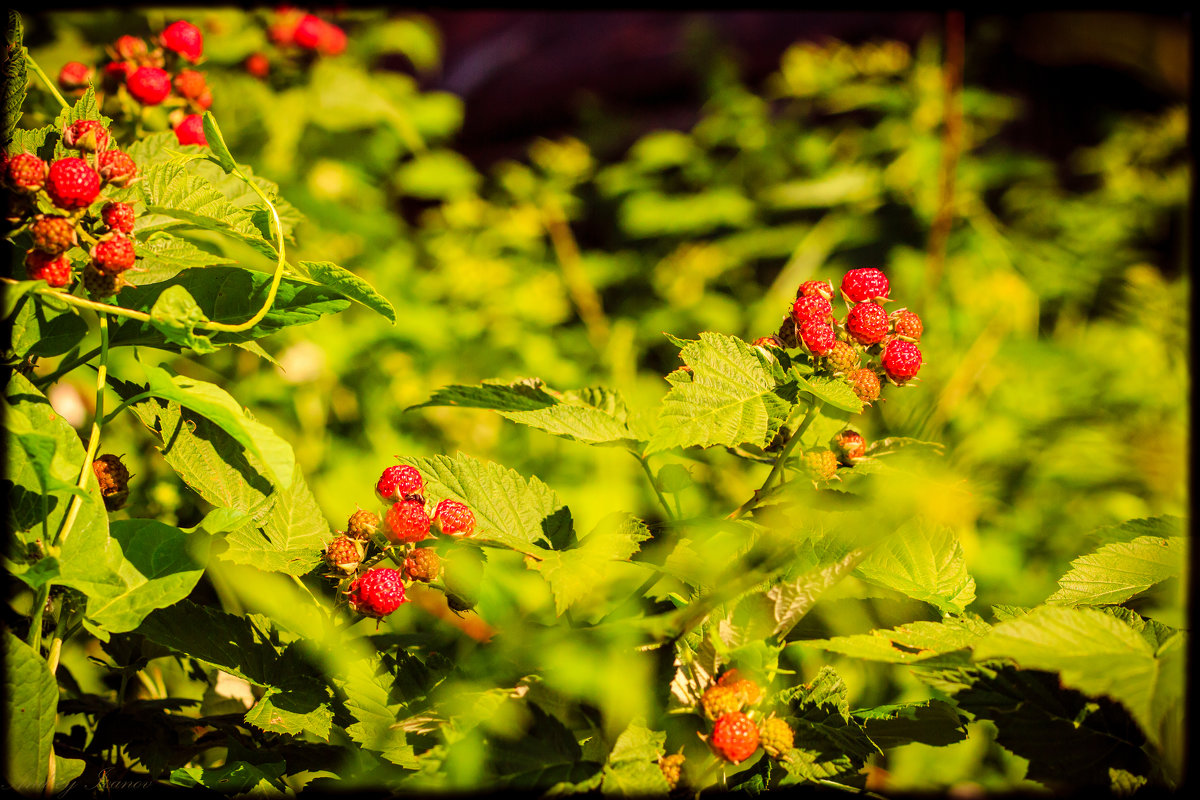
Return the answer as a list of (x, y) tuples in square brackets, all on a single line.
[(113, 478), (72, 184), (907, 324), (422, 564), (26, 172), (308, 32), (190, 83), (184, 38), (867, 322), (118, 217), (734, 737), (362, 524), (74, 75), (149, 85), (851, 445), (117, 168), (131, 48), (378, 592), (901, 360), (818, 336), (406, 521), (55, 270), (53, 235), (113, 254), (343, 553), (815, 289), (398, 482), (87, 135), (809, 307), (333, 40), (191, 130), (257, 65), (866, 384), (864, 284), (454, 518)]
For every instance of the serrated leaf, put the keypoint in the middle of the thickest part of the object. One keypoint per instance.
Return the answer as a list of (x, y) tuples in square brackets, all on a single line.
[(32, 141), (909, 643), (588, 569), (545, 754), (733, 397), (932, 722), (293, 709), (162, 256), (170, 191), (833, 391), (509, 509), (226, 641), (632, 767), (375, 714), (792, 599), (346, 283), (42, 325), (30, 712), (15, 78), (925, 562), (828, 742), (237, 778), (176, 315), (290, 537), (1118, 571)]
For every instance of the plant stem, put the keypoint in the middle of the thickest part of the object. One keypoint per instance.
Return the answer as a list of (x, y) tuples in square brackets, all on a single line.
[(777, 467), (137, 398), (49, 83), (66, 367), (93, 439), (644, 461), (583, 294)]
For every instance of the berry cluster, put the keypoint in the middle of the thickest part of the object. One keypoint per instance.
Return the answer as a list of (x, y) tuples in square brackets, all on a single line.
[(72, 184), (298, 37), (154, 73), (377, 591), (739, 728)]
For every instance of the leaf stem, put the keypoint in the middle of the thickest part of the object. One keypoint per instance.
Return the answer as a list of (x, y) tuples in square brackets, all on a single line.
[(644, 461), (93, 439), (49, 83), (777, 467)]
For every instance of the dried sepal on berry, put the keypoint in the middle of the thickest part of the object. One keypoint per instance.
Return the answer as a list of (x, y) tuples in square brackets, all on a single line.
[(344, 553), (399, 482), (362, 524)]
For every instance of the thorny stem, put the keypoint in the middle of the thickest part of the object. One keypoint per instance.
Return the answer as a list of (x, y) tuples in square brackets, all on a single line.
[(777, 467), (583, 294), (49, 83), (644, 461)]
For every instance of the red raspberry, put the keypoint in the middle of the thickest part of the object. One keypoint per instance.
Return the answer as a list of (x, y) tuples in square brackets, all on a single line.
[(818, 336), (864, 284), (131, 48), (867, 322), (117, 168), (191, 131), (113, 479), (333, 41), (53, 235), (776, 737), (815, 289), (309, 32), (843, 357), (190, 83), (820, 465), (204, 101), (149, 85), (378, 592), (26, 172), (851, 445), (117, 72), (118, 217), (74, 75), (422, 564), (901, 360), (454, 518), (101, 285), (809, 307), (866, 384), (258, 65), (72, 184), (184, 38), (362, 524), (399, 482), (87, 135), (907, 324), (113, 254), (343, 553), (54, 270), (407, 521), (734, 737)]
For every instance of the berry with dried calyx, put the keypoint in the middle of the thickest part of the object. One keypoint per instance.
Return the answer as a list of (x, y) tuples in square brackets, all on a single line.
[(87, 135), (865, 382), (901, 360), (776, 737), (184, 38), (422, 564), (72, 184), (818, 336), (190, 84), (859, 285), (734, 737), (820, 465), (867, 323), (672, 769), (815, 289), (26, 172), (149, 85), (74, 75), (118, 217), (907, 324), (717, 701), (55, 270), (53, 234), (454, 518), (101, 285), (398, 483), (113, 254), (343, 553), (407, 522), (850, 445), (377, 592), (117, 168), (362, 524), (113, 478), (811, 307), (843, 357), (191, 131)]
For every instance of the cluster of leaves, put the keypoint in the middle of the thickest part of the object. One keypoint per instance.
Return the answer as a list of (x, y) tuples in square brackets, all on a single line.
[(583, 646)]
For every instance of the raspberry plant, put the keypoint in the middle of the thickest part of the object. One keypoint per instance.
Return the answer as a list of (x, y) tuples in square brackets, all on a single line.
[(470, 627)]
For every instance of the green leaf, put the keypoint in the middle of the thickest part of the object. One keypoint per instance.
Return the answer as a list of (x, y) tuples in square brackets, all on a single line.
[(216, 143), (32, 141), (509, 510), (162, 256), (30, 713), (792, 599), (238, 778), (290, 537), (632, 767), (293, 709), (437, 175), (593, 415), (367, 687), (39, 451), (916, 641), (829, 743), (833, 391), (733, 397), (925, 562), (225, 641), (932, 722), (587, 570), (176, 315), (1096, 654), (15, 79), (346, 283), (1118, 571), (545, 754), (43, 325)]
